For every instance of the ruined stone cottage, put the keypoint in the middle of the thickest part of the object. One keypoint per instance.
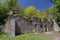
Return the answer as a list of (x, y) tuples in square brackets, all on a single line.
[(18, 24)]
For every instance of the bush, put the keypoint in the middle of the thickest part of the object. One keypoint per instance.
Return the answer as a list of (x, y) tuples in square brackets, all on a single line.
[(41, 30), (0, 29)]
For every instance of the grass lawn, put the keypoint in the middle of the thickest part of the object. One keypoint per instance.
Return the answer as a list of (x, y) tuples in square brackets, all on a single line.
[(27, 37), (4, 37)]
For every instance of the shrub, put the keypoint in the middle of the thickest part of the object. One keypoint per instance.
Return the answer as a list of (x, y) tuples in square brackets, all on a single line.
[(1, 29)]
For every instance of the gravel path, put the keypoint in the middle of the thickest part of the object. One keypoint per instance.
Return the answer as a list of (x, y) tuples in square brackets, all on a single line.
[(56, 38)]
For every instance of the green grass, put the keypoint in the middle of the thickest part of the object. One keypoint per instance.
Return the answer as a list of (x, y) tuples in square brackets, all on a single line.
[(26, 37), (4, 37)]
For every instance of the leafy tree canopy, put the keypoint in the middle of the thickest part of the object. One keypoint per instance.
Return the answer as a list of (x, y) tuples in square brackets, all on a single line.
[(55, 9), (6, 6), (31, 11)]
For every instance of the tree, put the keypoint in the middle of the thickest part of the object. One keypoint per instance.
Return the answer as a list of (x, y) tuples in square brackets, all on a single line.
[(31, 11), (6, 6), (13, 5), (56, 10), (46, 14), (3, 11)]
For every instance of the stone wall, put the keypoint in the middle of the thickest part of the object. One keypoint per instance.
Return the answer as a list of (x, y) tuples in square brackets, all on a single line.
[(24, 25)]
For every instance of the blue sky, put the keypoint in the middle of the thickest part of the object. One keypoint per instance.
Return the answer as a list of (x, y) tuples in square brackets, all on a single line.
[(39, 4)]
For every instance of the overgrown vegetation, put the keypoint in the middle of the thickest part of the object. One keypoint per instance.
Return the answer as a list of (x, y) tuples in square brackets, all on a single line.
[(4, 37), (26, 37), (6, 6), (55, 9)]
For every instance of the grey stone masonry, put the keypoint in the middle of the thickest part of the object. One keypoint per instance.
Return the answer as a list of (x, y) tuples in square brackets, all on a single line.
[(18, 24)]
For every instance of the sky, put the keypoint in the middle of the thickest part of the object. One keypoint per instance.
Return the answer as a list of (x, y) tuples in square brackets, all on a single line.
[(39, 4)]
